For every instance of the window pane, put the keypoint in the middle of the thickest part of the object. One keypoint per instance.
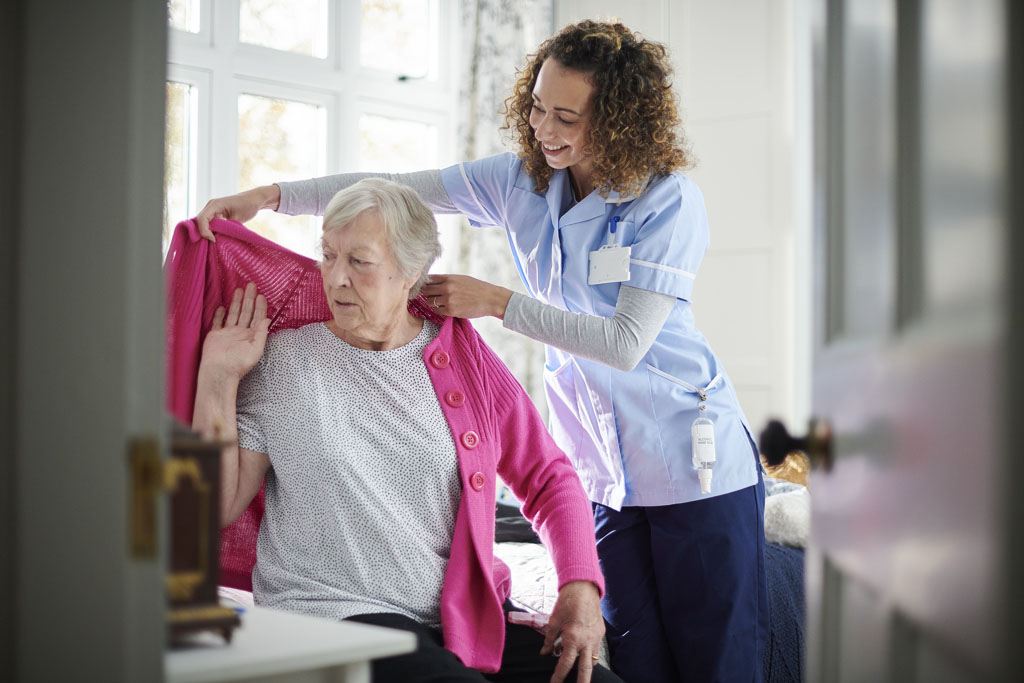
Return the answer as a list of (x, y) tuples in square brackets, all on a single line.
[(290, 25), (398, 36), (281, 140), (183, 15), (179, 157), (399, 146), (396, 145)]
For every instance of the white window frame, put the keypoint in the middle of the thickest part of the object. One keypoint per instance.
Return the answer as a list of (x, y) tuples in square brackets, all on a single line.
[(221, 67), (199, 79)]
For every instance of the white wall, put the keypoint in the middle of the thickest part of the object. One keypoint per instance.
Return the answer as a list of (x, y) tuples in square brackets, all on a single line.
[(745, 102)]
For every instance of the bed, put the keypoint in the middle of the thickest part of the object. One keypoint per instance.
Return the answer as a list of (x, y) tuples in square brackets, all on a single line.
[(787, 523)]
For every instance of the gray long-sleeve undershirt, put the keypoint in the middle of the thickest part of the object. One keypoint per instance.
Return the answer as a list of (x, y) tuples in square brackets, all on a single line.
[(619, 341), (310, 197)]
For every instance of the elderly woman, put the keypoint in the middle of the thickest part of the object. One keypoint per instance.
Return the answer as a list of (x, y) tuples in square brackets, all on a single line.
[(379, 435)]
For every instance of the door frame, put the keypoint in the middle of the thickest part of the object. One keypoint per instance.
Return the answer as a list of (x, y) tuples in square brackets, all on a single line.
[(83, 365), (1012, 628)]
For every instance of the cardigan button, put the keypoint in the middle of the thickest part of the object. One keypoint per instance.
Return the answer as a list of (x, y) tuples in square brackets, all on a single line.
[(455, 398), (477, 481), (470, 439), (440, 359)]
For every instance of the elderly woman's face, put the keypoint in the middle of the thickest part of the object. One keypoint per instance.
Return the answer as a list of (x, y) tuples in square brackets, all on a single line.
[(365, 289)]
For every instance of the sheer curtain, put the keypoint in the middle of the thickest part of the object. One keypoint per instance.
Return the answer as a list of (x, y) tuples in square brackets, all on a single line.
[(498, 34)]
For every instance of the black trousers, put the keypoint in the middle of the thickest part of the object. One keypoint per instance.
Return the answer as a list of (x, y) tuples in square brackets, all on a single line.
[(521, 661)]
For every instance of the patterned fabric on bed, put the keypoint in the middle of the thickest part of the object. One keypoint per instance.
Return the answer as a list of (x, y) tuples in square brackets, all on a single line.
[(783, 654)]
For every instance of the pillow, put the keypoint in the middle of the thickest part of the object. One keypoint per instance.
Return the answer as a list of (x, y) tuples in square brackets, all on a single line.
[(787, 513)]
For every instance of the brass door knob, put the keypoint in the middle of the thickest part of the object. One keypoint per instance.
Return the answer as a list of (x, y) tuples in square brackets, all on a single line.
[(776, 443)]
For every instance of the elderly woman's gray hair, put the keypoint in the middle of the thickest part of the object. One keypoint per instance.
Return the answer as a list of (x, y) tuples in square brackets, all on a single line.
[(409, 227)]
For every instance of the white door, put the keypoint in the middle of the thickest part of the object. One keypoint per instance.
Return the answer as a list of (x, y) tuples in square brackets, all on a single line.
[(86, 324), (907, 573)]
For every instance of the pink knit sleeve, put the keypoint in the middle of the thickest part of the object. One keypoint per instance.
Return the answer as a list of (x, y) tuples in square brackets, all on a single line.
[(185, 277), (201, 276)]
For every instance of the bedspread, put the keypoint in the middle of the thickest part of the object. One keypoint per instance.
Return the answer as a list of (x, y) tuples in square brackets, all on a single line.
[(787, 524)]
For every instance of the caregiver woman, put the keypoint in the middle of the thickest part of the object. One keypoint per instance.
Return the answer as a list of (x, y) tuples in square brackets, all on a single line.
[(628, 373)]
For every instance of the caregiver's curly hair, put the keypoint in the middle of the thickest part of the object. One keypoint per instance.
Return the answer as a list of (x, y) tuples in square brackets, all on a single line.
[(634, 127)]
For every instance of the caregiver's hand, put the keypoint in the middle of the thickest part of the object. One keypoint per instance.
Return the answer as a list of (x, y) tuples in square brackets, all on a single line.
[(461, 296), (577, 619), (239, 207)]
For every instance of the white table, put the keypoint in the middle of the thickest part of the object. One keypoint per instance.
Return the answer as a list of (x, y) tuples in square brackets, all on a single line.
[(279, 647)]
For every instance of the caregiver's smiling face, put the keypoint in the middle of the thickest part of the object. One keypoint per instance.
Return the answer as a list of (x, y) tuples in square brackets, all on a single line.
[(560, 117)]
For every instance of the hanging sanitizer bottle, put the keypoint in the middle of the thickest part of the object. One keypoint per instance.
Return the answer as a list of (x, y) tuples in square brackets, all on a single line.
[(702, 434)]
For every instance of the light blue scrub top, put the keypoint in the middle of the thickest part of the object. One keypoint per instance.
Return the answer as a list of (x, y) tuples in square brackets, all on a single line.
[(627, 433)]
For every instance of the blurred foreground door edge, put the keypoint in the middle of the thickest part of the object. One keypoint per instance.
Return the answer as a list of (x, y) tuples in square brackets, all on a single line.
[(916, 531)]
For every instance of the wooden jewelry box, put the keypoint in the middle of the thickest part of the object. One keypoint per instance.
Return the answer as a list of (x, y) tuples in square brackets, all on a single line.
[(192, 480)]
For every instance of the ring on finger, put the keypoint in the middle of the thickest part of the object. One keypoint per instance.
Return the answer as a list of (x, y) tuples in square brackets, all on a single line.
[(595, 657)]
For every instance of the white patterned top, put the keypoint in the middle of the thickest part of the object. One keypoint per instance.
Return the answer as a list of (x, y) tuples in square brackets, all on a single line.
[(363, 488)]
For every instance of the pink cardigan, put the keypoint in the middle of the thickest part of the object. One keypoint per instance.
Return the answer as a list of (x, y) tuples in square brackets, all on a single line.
[(496, 428)]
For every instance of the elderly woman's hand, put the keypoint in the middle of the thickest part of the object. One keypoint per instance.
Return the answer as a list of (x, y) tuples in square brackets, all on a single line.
[(235, 342), (461, 296), (577, 619), (240, 207)]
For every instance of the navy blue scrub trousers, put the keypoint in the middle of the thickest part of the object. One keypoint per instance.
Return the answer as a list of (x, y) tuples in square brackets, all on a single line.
[(686, 595)]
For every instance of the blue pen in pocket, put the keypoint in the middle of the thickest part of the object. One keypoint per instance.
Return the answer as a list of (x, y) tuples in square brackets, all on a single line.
[(613, 225)]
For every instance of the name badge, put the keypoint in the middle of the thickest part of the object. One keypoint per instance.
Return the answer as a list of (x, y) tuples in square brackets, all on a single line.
[(610, 263)]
